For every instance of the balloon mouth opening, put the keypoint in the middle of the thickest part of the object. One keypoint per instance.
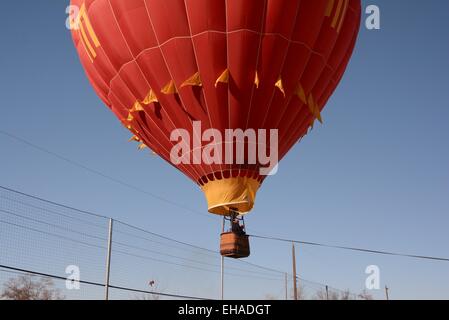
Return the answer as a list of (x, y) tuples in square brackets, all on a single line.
[(235, 194), (225, 209)]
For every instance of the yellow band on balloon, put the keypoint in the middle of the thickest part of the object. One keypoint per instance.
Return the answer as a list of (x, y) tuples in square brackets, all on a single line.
[(237, 194)]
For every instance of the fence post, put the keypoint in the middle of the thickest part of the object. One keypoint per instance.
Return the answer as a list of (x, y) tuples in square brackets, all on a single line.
[(222, 267), (295, 287), (108, 260), (286, 286)]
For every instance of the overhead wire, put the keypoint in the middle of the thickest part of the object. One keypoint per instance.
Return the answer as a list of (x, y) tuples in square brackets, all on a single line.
[(209, 251), (371, 251), (101, 174), (115, 242), (364, 250), (47, 275)]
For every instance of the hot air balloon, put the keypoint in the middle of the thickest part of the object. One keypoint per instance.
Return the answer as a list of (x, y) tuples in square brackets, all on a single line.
[(162, 66)]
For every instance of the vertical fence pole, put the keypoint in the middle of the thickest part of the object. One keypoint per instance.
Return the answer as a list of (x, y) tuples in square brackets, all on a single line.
[(222, 267), (386, 293), (108, 261), (222, 278), (327, 292), (295, 288), (286, 286)]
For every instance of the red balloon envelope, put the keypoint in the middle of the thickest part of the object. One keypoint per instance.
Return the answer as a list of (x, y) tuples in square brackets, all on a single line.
[(163, 65)]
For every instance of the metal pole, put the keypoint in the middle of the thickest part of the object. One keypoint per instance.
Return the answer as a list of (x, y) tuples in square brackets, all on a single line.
[(295, 288), (222, 278), (222, 266), (327, 292), (286, 286), (386, 293), (108, 260)]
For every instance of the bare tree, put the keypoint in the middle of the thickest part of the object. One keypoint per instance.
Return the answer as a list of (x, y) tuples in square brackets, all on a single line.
[(25, 287), (365, 296), (331, 295), (347, 295), (301, 293), (146, 296), (344, 295)]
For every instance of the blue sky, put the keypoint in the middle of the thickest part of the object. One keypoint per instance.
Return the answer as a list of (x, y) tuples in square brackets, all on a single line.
[(374, 175)]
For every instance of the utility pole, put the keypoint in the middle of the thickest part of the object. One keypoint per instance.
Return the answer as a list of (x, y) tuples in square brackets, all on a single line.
[(286, 286), (295, 287), (386, 293), (108, 260)]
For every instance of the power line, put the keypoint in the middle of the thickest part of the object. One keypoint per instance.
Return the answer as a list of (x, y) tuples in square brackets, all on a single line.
[(32, 273), (53, 203), (135, 255), (52, 234), (96, 172), (101, 174), (317, 244), (166, 238), (187, 259), (119, 243), (46, 210), (101, 216), (52, 225), (262, 267), (101, 284), (209, 251), (92, 224), (214, 252), (193, 267), (177, 247), (205, 250)]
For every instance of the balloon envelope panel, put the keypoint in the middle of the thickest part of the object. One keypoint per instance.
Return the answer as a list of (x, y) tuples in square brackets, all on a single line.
[(162, 65)]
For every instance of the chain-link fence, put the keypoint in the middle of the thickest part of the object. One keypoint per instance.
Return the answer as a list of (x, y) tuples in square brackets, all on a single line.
[(56, 251)]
